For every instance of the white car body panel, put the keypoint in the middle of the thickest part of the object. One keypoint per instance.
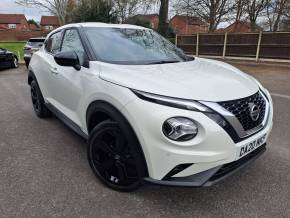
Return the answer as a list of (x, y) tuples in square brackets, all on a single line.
[(202, 79)]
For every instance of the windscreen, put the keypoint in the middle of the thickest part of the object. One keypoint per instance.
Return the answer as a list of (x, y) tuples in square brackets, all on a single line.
[(132, 46)]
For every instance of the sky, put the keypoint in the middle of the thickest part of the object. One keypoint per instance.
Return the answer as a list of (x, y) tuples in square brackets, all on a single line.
[(10, 7)]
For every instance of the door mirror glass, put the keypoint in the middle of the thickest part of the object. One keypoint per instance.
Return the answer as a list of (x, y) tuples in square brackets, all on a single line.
[(68, 59)]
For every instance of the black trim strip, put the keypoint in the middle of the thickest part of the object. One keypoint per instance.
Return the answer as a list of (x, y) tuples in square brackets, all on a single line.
[(72, 125)]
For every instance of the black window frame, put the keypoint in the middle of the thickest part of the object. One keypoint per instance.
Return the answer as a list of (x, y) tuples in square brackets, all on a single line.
[(45, 42), (86, 56)]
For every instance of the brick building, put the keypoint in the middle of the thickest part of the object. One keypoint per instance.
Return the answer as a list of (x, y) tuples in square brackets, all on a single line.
[(188, 25), (13, 21), (48, 23), (240, 27)]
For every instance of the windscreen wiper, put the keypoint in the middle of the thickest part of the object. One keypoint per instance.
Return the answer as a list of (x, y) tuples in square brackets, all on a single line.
[(164, 62)]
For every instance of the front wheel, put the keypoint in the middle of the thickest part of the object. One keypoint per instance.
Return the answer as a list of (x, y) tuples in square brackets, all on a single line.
[(14, 62), (114, 158)]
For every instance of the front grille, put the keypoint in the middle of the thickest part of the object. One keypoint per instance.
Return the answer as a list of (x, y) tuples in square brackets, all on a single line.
[(240, 108)]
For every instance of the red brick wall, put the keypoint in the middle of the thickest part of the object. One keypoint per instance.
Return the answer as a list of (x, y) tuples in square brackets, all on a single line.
[(19, 26), (17, 35)]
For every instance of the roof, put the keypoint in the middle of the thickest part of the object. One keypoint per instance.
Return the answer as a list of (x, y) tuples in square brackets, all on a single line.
[(99, 25), (49, 21), (190, 19), (238, 25), (11, 18)]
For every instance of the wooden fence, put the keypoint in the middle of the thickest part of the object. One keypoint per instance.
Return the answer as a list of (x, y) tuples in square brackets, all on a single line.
[(256, 46)]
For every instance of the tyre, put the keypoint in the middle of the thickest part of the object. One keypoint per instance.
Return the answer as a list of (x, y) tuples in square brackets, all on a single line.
[(38, 101), (26, 64), (114, 156), (14, 63)]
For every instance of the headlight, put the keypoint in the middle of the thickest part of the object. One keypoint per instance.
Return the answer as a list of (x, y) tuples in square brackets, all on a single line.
[(172, 102), (179, 129)]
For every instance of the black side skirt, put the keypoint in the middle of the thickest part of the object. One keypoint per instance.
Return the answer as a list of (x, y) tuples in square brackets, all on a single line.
[(72, 125)]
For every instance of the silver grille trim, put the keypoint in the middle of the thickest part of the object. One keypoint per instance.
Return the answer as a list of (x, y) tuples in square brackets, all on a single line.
[(232, 119)]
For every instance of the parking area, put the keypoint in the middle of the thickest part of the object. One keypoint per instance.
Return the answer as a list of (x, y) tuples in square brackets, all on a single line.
[(44, 170)]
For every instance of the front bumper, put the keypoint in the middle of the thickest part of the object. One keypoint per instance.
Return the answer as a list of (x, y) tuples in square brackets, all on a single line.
[(211, 176)]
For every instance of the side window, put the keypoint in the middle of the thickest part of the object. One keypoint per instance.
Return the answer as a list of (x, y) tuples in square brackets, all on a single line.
[(53, 43), (72, 42)]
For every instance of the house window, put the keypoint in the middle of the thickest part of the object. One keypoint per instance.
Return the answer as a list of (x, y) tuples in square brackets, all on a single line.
[(12, 26), (49, 27)]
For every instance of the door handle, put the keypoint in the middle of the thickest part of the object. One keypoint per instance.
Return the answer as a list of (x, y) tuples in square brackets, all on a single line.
[(54, 71)]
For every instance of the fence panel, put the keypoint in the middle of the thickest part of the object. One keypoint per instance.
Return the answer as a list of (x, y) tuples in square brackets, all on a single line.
[(275, 45), (242, 45), (187, 43), (211, 44), (272, 45)]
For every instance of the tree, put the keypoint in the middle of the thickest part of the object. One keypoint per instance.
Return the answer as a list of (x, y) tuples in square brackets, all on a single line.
[(163, 17), (55, 7), (31, 21), (275, 12), (254, 9), (127, 8), (93, 11), (212, 11), (240, 9)]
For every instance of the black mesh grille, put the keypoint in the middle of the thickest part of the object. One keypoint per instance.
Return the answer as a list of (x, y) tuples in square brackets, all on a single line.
[(241, 109)]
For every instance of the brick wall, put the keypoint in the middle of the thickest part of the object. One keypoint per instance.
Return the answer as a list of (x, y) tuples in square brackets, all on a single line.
[(18, 35)]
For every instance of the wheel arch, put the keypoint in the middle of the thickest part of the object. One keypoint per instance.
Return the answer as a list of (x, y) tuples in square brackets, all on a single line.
[(99, 111), (31, 77)]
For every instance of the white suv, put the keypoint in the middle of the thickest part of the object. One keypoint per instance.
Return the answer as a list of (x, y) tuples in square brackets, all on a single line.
[(149, 112)]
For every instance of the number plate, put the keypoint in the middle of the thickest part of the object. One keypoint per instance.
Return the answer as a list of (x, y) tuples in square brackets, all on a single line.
[(248, 148)]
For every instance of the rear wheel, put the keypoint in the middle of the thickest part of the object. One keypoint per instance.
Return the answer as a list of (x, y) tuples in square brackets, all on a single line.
[(38, 101), (114, 157)]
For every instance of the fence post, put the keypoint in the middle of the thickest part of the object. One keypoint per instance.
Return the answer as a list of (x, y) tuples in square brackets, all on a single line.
[(258, 46), (225, 45), (176, 40), (197, 45)]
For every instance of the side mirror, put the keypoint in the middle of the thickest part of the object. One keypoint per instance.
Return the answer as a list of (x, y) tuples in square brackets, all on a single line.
[(67, 59)]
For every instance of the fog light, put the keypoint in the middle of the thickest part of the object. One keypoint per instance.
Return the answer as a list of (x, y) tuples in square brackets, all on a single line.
[(179, 129)]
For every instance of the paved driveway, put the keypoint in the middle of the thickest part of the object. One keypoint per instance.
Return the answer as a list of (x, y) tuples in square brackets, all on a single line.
[(44, 170)]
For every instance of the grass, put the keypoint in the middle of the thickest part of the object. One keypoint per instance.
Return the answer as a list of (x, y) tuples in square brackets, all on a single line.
[(15, 47)]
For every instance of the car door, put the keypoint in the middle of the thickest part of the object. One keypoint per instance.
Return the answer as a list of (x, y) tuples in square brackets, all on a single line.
[(48, 65), (67, 80)]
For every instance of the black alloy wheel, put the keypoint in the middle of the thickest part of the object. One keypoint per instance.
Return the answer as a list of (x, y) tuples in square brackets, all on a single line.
[(37, 101), (112, 158), (35, 98)]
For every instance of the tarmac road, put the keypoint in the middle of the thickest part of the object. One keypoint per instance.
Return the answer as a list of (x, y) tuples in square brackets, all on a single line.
[(44, 170)]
